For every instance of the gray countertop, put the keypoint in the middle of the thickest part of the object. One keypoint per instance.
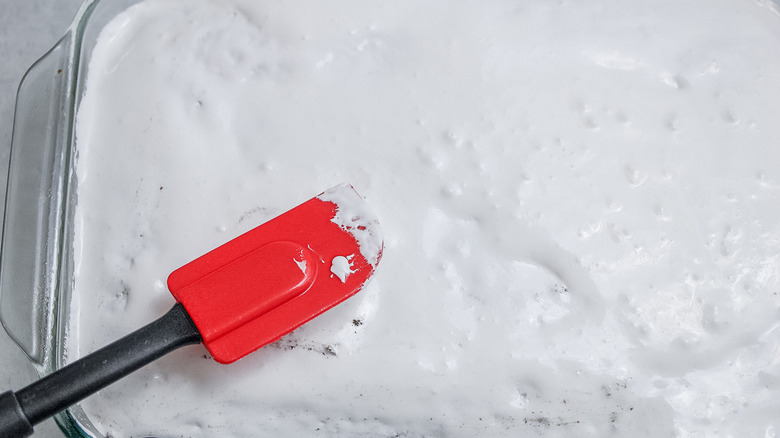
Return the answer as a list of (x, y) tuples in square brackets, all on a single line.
[(27, 30)]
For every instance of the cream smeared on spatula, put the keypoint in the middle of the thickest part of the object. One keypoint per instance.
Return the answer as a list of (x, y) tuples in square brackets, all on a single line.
[(341, 267)]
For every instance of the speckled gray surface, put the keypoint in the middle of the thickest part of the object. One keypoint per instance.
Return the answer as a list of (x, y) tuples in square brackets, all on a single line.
[(27, 30)]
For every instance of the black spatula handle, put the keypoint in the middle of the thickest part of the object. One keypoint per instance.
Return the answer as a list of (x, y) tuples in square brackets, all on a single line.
[(21, 410)]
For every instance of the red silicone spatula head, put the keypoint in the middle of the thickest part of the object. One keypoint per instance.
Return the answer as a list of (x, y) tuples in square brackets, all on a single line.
[(267, 282)]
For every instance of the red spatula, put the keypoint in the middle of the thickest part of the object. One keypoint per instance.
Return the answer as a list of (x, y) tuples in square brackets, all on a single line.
[(235, 299)]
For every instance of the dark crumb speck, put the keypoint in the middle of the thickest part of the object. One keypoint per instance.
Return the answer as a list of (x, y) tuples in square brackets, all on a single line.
[(357, 322), (538, 421)]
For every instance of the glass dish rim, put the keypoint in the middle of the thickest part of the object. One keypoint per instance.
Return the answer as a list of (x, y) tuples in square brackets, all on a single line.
[(48, 290)]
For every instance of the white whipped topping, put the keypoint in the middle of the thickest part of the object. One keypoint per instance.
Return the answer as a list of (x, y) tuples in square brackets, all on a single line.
[(580, 203), (301, 265), (355, 216), (341, 267)]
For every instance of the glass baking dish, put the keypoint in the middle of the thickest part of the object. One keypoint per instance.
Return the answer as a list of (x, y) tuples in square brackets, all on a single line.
[(36, 264)]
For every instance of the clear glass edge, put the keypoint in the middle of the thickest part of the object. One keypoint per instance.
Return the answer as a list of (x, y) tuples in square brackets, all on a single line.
[(73, 422)]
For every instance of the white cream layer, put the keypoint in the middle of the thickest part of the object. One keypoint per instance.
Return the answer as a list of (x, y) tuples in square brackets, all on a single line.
[(580, 202)]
